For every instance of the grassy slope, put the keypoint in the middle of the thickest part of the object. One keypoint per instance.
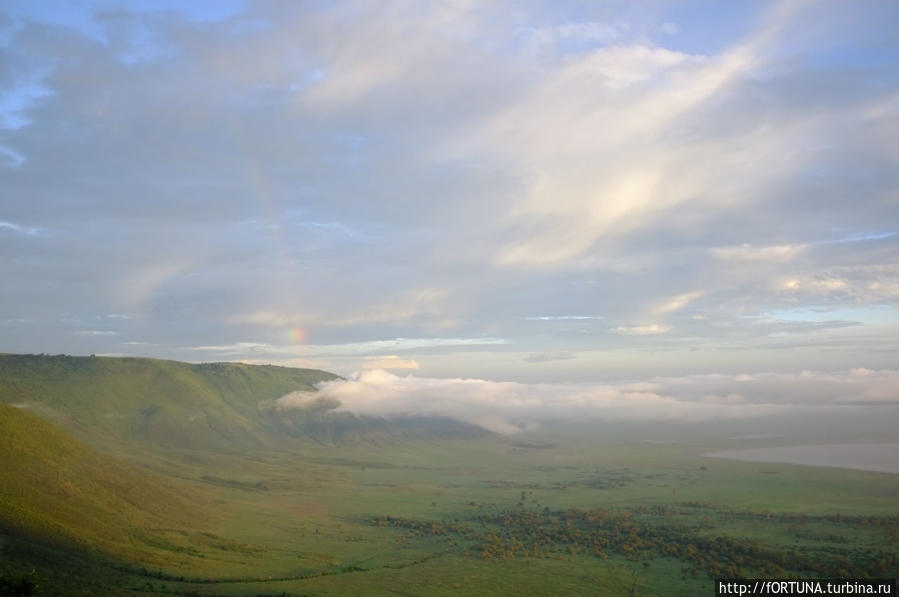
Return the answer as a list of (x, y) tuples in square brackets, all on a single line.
[(209, 406), (54, 487)]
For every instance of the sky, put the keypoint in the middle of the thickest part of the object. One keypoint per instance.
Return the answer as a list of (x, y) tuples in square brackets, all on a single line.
[(525, 193)]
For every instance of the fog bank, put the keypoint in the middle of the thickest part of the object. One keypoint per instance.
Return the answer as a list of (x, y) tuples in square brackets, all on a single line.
[(509, 407)]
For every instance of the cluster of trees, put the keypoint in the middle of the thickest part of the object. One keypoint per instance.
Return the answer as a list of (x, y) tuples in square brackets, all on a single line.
[(610, 479), (643, 534)]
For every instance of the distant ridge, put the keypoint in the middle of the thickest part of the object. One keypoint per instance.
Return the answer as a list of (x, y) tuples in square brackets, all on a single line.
[(209, 406), (170, 403)]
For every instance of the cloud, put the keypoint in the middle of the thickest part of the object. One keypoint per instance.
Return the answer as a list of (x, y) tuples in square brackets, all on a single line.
[(431, 307), (391, 361), (865, 237), (669, 28), (642, 330), (821, 284), (469, 177), (373, 348), (847, 285), (747, 252), (676, 303), (236, 349), (597, 147), (373, 55), (137, 289), (571, 37), (13, 158), (15, 321), (562, 318), (545, 357), (508, 407), (18, 228)]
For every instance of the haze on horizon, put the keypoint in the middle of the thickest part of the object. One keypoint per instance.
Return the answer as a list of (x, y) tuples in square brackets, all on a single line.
[(699, 197)]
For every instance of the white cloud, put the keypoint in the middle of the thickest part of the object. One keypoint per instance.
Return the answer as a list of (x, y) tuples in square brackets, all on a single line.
[(642, 330), (748, 252), (816, 284), (374, 348), (572, 37), (863, 284), (545, 357), (507, 407), (562, 318), (676, 303), (598, 149), (391, 361)]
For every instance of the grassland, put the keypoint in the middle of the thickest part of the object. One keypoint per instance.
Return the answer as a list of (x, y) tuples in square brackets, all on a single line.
[(607, 510), (211, 406)]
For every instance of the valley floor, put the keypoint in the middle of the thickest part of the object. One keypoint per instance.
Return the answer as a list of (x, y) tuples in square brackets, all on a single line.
[(562, 514)]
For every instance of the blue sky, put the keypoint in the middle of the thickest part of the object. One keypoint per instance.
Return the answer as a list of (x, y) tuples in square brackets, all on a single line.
[(537, 192)]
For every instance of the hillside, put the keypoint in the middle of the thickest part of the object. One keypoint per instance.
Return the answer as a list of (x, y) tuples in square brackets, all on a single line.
[(53, 487), (218, 407), (206, 406), (129, 473)]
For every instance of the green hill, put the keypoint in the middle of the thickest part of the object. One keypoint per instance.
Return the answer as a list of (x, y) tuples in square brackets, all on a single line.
[(208, 406), (219, 407), (54, 488), (129, 474)]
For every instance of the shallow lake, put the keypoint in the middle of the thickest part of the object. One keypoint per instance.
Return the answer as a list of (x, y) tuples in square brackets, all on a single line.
[(883, 458)]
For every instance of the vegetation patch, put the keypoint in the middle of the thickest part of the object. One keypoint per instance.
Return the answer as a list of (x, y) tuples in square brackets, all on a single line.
[(645, 534)]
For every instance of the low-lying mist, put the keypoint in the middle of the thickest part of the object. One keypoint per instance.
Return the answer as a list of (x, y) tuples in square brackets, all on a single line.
[(510, 407)]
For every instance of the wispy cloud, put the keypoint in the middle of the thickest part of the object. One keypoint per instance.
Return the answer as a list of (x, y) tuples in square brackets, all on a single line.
[(391, 361), (748, 252), (642, 330), (545, 357), (13, 158), (562, 318), (865, 237), (430, 306), (18, 228), (374, 348), (676, 303)]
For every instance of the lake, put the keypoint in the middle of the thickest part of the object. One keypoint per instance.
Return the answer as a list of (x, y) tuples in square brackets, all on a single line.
[(882, 458)]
